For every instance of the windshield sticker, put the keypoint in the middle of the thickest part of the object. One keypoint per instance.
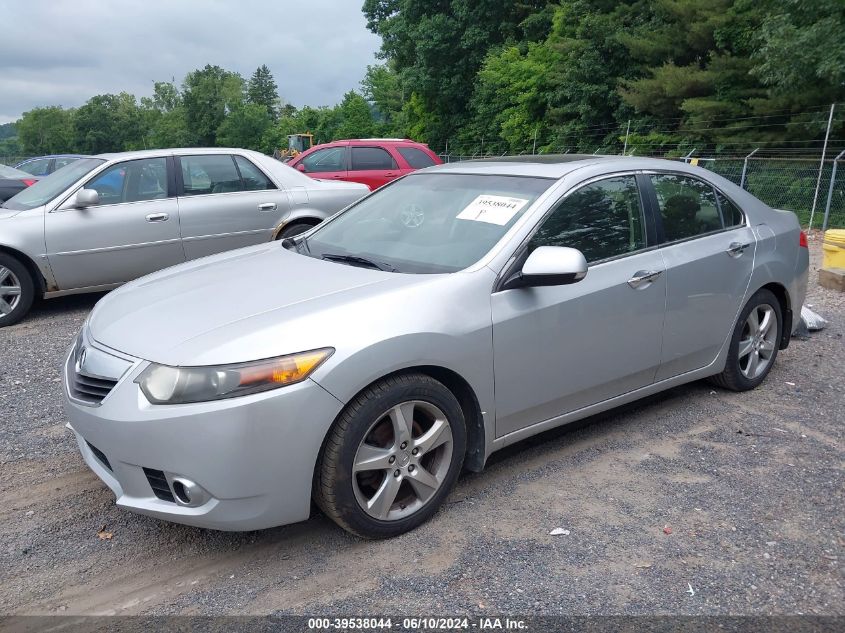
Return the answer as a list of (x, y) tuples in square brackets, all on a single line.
[(492, 209)]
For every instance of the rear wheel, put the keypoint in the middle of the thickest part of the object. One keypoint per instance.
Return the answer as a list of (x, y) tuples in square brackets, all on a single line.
[(392, 457), (17, 290), (754, 345), (293, 229)]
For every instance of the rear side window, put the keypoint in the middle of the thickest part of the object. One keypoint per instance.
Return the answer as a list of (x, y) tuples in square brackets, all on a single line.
[(731, 214), (327, 159), (416, 158), (371, 159), (254, 179), (64, 160), (214, 173), (602, 220), (38, 167), (688, 206), (132, 181)]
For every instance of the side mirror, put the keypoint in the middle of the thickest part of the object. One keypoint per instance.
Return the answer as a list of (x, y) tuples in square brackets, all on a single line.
[(301, 167), (549, 266), (86, 198)]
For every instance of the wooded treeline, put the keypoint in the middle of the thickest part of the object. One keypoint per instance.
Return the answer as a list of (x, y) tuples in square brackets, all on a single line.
[(720, 76)]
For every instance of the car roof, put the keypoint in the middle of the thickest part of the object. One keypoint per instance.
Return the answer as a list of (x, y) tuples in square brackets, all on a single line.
[(54, 156), (550, 165), (177, 151)]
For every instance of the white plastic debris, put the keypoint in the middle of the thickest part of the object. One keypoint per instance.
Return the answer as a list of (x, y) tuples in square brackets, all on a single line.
[(812, 320), (559, 532), (690, 591)]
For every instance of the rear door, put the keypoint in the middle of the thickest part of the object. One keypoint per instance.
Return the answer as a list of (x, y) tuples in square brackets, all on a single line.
[(226, 202), (134, 230), (328, 163), (413, 158), (709, 253), (372, 166)]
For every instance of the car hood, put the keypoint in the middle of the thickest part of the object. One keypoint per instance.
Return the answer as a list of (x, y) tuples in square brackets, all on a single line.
[(258, 302)]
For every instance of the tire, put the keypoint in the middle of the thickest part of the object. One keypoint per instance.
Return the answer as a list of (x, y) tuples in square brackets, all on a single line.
[(294, 228), (17, 290), (742, 372), (393, 490)]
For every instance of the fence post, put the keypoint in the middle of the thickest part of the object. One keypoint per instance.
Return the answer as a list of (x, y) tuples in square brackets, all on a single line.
[(821, 167), (627, 131), (830, 190), (745, 168)]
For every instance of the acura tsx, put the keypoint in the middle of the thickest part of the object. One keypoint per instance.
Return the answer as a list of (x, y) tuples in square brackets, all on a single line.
[(365, 363)]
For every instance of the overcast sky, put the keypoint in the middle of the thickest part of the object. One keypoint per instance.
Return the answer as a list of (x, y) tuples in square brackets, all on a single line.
[(62, 52)]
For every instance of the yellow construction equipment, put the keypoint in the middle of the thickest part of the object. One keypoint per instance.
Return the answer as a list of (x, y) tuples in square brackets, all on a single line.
[(297, 143)]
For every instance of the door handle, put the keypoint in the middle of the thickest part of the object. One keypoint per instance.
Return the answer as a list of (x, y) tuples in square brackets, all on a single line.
[(736, 249), (267, 206), (391, 175), (157, 217), (643, 278)]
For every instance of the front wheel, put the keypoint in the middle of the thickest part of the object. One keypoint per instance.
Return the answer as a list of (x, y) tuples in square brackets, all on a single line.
[(17, 290), (392, 457), (754, 344), (293, 229)]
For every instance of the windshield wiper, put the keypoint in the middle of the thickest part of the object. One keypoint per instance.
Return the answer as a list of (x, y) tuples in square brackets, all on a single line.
[(355, 259)]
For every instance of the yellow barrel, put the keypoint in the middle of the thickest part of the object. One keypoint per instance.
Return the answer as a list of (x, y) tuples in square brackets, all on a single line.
[(833, 249)]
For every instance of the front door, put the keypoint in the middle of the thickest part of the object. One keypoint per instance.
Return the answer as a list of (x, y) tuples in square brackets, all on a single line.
[(709, 255), (561, 348), (132, 231)]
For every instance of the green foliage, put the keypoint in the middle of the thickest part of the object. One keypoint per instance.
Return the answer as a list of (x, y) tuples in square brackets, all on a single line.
[(262, 90), (246, 126), (108, 123), (46, 131), (208, 96), (8, 130)]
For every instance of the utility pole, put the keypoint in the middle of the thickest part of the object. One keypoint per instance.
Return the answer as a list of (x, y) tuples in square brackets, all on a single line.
[(821, 166), (627, 130)]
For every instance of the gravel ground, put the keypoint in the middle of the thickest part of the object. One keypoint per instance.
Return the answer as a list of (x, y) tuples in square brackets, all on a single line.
[(749, 485)]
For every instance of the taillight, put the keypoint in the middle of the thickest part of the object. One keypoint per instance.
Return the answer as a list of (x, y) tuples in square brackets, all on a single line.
[(28, 181), (802, 240)]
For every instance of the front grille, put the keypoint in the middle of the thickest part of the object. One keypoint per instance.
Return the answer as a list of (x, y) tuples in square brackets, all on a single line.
[(100, 455), (158, 482), (89, 389)]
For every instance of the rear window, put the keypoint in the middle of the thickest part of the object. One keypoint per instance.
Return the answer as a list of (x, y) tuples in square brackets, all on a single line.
[(371, 158), (416, 158)]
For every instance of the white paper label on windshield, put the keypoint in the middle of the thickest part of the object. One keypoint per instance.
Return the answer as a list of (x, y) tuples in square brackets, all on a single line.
[(493, 209)]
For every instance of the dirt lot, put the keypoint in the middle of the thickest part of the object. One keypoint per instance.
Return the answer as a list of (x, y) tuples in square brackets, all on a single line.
[(750, 486)]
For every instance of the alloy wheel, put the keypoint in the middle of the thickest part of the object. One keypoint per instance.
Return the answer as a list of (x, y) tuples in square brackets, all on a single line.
[(757, 343), (10, 291), (403, 460)]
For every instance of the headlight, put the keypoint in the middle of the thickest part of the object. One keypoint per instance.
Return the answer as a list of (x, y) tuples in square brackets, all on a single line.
[(162, 384)]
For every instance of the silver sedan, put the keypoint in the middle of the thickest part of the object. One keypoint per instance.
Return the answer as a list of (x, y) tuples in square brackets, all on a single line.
[(454, 312), (108, 219)]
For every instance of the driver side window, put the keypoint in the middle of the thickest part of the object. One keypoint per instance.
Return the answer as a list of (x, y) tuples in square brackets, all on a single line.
[(132, 181), (602, 220)]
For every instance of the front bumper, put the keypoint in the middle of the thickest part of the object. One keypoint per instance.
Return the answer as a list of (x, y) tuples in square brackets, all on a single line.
[(253, 456)]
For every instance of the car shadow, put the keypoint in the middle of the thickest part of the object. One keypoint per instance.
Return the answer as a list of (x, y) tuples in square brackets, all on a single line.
[(46, 308)]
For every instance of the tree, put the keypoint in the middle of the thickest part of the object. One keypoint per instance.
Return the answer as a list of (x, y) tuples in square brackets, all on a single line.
[(246, 127), (382, 87), (262, 90), (355, 117), (108, 123), (46, 131), (208, 95), (163, 117)]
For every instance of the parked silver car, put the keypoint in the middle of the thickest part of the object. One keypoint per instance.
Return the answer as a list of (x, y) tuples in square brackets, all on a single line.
[(445, 316), (105, 220)]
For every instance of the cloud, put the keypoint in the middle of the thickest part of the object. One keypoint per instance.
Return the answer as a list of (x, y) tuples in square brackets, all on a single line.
[(61, 52)]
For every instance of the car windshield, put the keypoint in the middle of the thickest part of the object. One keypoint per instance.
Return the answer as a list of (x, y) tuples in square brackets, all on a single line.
[(11, 172), (50, 187), (427, 222)]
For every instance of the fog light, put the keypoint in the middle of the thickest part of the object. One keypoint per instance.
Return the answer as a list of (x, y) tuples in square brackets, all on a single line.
[(188, 493)]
